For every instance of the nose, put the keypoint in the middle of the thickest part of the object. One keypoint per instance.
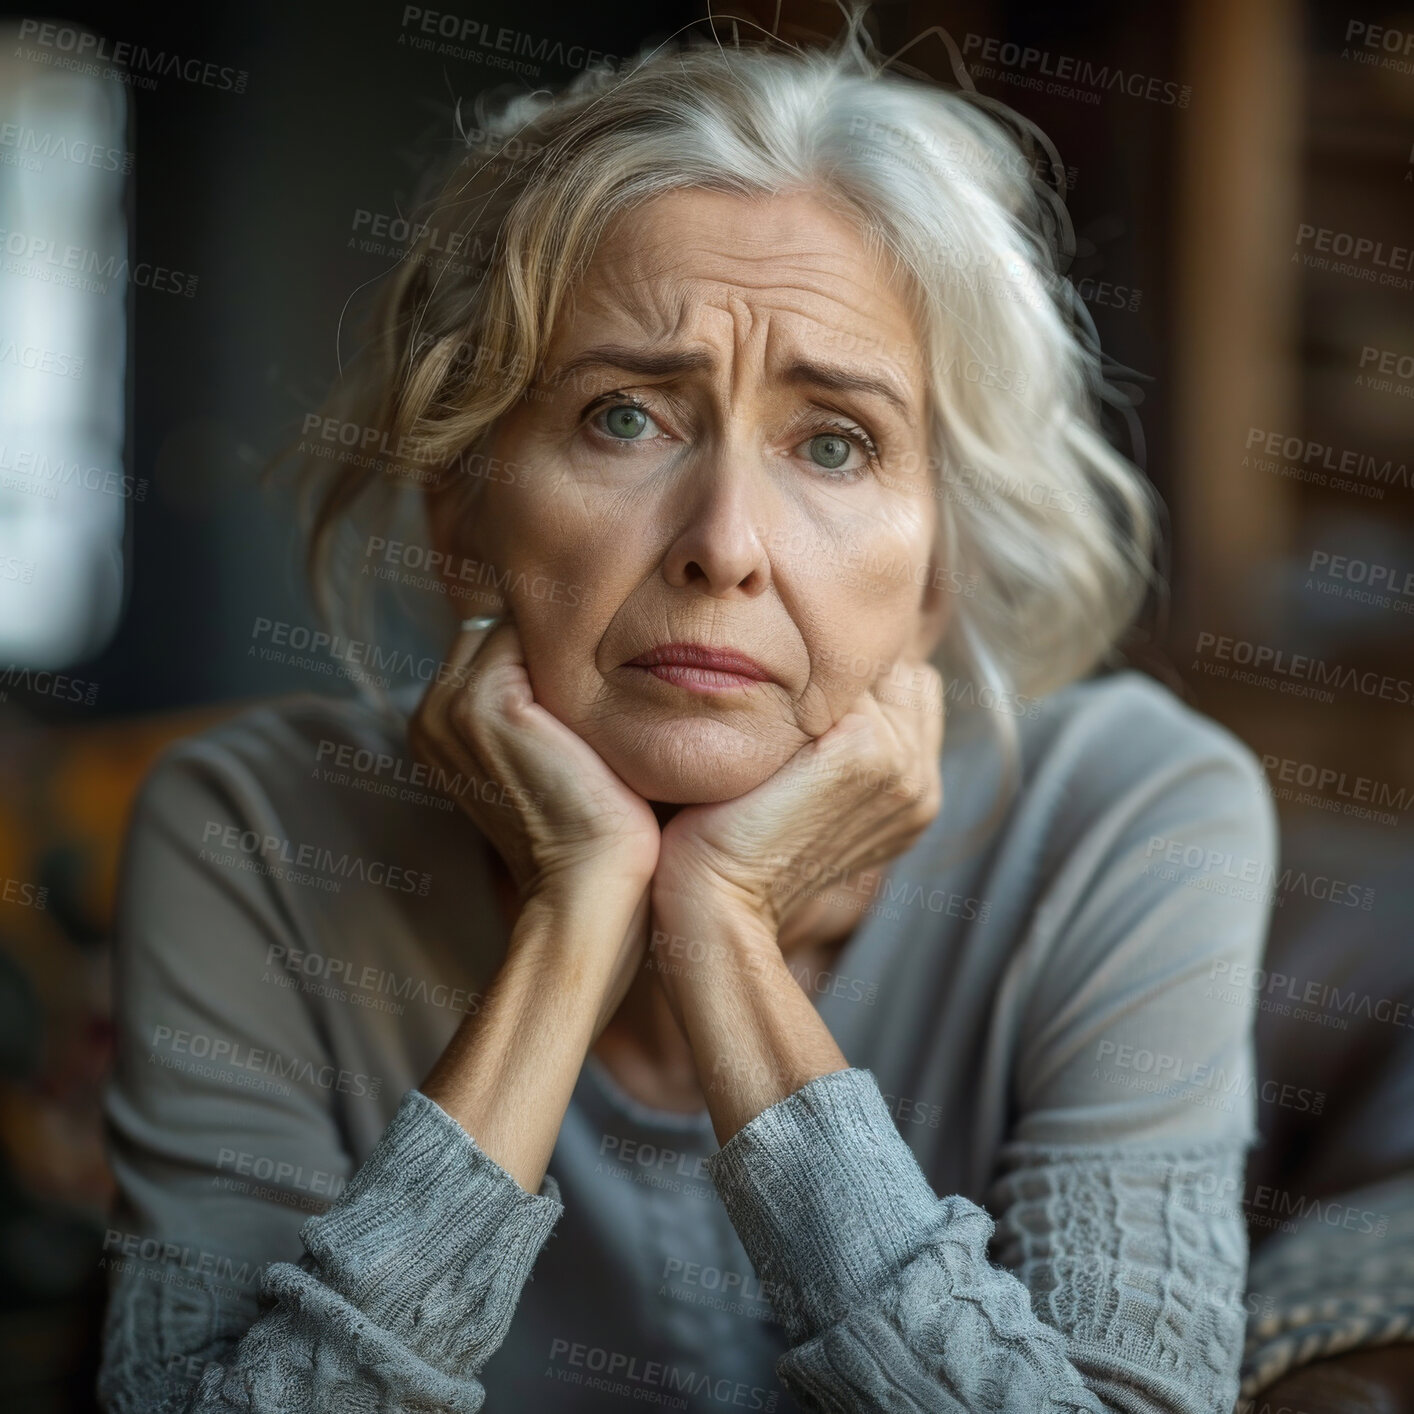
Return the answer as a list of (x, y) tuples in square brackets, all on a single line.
[(720, 502)]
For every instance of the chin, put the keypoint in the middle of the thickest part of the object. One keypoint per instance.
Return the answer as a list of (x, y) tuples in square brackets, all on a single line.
[(692, 762)]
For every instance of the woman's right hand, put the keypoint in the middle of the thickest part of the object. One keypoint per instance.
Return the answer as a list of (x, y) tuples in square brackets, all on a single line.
[(557, 815), (578, 843), (581, 848)]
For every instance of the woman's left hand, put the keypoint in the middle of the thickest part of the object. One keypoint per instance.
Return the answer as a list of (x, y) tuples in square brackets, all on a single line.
[(730, 875), (859, 794)]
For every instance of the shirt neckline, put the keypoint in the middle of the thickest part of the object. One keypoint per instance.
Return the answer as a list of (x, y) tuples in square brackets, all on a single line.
[(648, 1116), (681, 1121)]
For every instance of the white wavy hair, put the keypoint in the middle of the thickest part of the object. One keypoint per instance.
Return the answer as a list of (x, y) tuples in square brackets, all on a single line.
[(1050, 527)]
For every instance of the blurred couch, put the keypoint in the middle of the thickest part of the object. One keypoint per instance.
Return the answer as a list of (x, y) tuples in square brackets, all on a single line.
[(1331, 1194), (65, 794)]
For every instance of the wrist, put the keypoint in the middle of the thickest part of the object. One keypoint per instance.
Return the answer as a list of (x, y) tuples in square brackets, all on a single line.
[(694, 904), (756, 1036), (580, 907), (713, 947)]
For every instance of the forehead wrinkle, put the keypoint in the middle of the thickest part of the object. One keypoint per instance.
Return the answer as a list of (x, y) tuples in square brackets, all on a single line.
[(693, 306), (653, 291), (874, 334), (642, 254), (668, 255), (842, 286)]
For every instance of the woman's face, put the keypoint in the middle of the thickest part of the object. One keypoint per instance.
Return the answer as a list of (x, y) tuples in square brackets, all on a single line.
[(728, 451)]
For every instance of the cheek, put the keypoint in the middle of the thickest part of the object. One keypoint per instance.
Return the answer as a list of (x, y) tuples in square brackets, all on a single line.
[(554, 522), (859, 600), (562, 565)]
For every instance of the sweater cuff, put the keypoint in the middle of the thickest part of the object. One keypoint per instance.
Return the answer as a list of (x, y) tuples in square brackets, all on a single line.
[(433, 1240), (827, 1199)]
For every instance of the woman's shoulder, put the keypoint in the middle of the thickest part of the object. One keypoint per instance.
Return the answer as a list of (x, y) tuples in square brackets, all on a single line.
[(335, 766), (262, 734), (312, 813), (1122, 753), (1128, 722), (280, 742), (1099, 768)]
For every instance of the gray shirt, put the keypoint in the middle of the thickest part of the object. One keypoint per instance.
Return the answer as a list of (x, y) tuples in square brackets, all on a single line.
[(1005, 1204)]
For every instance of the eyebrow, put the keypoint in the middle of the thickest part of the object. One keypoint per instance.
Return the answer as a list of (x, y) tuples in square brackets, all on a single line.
[(846, 380), (651, 362), (655, 363)]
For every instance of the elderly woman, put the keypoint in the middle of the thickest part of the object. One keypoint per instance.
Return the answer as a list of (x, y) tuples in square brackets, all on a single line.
[(847, 1073)]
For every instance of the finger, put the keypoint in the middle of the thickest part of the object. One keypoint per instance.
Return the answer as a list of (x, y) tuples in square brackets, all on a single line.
[(456, 774), (519, 739), (472, 639), (913, 703), (913, 685), (430, 720), (831, 759), (916, 717), (931, 714), (938, 722)]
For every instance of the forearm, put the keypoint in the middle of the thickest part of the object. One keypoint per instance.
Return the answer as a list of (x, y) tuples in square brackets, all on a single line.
[(509, 1071), (889, 1297), (412, 1277), (755, 1034), (885, 1288)]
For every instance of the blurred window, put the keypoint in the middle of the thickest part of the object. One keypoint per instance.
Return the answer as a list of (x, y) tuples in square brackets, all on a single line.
[(64, 303)]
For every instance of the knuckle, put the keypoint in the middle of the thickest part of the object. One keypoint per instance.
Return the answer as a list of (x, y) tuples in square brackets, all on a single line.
[(879, 760), (464, 718), (504, 692)]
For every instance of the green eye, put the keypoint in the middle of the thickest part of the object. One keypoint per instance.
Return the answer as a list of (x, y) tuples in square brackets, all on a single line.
[(625, 421), (830, 450)]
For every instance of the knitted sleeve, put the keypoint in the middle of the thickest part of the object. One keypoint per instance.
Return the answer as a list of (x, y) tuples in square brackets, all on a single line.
[(1096, 1277), (405, 1289), (225, 1294)]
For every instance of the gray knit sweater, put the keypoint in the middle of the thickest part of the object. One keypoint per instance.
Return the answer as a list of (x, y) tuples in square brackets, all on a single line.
[(1000, 1207)]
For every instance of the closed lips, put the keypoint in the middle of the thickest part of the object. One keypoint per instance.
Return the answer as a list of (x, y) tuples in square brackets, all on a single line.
[(696, 655)]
